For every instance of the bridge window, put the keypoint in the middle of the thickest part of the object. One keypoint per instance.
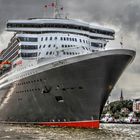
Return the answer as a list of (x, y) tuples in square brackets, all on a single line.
[(28, 39), (28, 54), (96, 44), (29, 47)]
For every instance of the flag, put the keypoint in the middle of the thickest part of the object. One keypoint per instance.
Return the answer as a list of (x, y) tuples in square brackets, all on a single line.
[(45, 6), (61, 8), (51, 5), (121, 43)]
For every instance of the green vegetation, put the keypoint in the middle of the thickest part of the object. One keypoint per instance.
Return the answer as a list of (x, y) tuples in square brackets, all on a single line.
[(119, 109)]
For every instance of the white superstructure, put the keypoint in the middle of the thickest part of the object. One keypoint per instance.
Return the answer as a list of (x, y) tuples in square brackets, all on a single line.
[(49, 38)]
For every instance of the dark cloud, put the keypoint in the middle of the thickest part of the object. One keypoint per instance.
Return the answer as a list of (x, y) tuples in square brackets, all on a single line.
[(125, 14)]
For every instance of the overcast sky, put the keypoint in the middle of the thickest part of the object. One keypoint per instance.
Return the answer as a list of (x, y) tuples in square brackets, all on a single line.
[(121, 15)]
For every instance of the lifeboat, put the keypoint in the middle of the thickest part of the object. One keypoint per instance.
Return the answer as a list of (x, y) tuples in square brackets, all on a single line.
[(5, 64)]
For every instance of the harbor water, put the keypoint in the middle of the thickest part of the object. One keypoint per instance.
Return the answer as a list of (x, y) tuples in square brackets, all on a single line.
[(106, 131)]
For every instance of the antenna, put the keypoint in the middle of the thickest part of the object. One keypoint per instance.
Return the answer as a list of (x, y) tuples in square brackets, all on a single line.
[(58, 9), (121, 42)]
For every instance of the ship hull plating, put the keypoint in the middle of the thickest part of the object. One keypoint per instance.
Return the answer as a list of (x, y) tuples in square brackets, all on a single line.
[(71, 95)]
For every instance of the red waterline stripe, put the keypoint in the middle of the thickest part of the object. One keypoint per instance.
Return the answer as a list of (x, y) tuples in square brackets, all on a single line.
[(76, 124)]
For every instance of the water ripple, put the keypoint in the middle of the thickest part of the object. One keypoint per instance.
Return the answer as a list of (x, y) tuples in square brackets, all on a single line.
[(106, 131)]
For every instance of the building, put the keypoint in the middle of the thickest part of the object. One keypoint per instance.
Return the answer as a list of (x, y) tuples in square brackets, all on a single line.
[(121, 97), (136, 105)]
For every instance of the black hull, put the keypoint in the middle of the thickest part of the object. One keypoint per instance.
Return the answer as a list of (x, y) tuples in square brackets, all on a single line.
[(71, 93)]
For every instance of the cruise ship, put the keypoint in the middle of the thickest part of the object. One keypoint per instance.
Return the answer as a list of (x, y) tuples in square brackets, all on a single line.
[(57, 72)]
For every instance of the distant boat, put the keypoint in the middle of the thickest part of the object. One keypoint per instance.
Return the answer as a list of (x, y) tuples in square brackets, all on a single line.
[(131, 118), (108, 118)]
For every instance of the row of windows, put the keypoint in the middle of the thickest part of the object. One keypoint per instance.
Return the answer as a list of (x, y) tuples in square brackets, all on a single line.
[(38, 89), (48, 46), (97, 44), (28, 39), (63, 46), (65, 53), (99, 31), (30, 90), (50, 53), (67, 46), (66, 32), (29, 54), (71, 53), (29, 47), (66, 39), (28, 82)]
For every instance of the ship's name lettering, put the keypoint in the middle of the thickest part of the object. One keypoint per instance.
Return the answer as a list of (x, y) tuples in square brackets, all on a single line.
[(59, 63)]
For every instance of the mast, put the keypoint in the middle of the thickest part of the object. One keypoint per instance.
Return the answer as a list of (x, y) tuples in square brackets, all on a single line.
[(58, 9)]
